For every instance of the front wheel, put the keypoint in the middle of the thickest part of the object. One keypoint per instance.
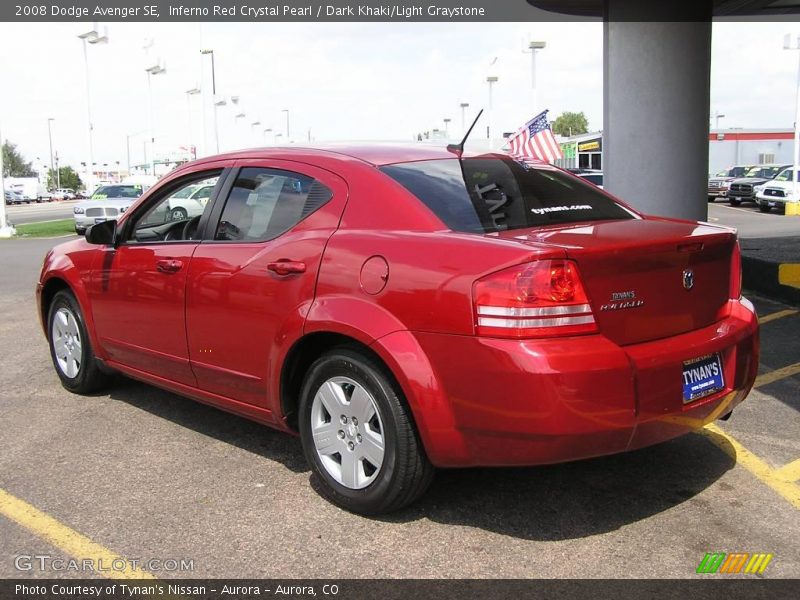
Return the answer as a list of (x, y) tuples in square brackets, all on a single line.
[(764, 208), (734, 202), (70, 348), (358, 436), (178, 214)]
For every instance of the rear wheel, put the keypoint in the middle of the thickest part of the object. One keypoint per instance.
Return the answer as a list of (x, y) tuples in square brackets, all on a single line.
[(70, 348), (358, 436)]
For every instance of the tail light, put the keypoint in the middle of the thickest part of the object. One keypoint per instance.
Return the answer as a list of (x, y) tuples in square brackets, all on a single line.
[(544, 298), (736, 273)]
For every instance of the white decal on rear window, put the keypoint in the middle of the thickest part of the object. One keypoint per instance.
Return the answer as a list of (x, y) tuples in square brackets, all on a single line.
[(551, 209)]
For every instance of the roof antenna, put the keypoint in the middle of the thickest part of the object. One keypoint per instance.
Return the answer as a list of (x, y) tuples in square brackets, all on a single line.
[(458, 149)]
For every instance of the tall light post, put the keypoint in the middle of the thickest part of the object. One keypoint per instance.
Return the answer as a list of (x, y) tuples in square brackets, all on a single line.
[(277, 135), (491, 80), (788, 45), (189, 93), (156, 69), (464, 106), (214, 96), (90, 37), (50, 138), (286, 110), (253, 126), (717, 116), (266, 131), (217, 104), (447, 126), (6, 231), (532, 48)]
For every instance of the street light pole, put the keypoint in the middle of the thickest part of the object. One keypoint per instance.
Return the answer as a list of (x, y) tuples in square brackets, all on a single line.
[(50, 138), (6, 231), (214, 96), (464, 106), (491, 80), (532, 48), (91, 37), (266, 131), (447, 127), (717, 116), (189, 93), (286, 110), (787, 45), (156, 69)]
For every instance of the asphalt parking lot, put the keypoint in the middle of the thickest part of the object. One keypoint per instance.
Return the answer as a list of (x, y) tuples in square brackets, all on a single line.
[(141, 473)]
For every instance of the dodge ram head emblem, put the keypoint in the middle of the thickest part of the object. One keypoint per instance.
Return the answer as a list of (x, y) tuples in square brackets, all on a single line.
[(688, 279)]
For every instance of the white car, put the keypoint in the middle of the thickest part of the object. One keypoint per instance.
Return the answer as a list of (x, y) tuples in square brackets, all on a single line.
[(777, 192), (189, 202), (107, 203)]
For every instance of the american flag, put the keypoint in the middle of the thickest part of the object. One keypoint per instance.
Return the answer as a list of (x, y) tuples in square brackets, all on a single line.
[(535, 140)]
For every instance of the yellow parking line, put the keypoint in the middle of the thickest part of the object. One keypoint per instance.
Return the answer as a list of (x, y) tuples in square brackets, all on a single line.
[(789, 491), (777, 374), (790, 472), (68, 540), (776, 315)]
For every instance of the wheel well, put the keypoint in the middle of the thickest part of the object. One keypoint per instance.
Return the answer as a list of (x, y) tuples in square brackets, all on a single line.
[(51, 288), (302, 356)]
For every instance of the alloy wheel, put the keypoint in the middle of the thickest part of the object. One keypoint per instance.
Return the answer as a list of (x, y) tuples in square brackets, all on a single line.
[(67, 343), (348, 432)]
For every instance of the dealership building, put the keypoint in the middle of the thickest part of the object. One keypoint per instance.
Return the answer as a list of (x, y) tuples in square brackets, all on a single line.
[(726, 147)]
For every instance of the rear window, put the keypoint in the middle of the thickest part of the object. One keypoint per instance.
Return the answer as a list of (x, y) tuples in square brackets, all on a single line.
[(498, 194)]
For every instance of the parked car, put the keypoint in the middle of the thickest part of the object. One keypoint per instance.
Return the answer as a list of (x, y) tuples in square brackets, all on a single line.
[(718, 184), (63, 194), (189, 202), (107, 202), (12, 197), (744, 189), (776, 193), (404, 308), (595, 177)]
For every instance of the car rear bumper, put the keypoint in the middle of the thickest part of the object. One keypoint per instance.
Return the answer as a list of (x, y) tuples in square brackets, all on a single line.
[(527, 402)]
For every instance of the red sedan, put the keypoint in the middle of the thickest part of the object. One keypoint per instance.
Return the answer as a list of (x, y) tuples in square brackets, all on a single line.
[(406, 308)]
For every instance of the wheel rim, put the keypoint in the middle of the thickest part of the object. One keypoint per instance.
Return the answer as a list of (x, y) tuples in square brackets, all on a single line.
[(67, 345), (177, 214), (348, 432)]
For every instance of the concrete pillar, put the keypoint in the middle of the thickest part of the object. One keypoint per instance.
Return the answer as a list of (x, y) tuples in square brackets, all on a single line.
[(656, 104)]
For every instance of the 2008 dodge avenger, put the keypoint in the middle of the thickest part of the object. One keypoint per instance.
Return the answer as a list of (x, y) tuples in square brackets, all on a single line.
[(406, 308)]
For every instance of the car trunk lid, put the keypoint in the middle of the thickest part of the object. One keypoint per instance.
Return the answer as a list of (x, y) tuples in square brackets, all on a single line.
[(646, 279)]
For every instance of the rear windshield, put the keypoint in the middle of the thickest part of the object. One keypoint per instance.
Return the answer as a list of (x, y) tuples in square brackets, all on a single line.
[(498, 194)]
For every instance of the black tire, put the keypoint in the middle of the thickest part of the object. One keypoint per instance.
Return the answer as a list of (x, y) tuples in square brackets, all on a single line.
[(735, 202), (405, 473), (712, 199), (764, 208), (88, 377), (177, 214)]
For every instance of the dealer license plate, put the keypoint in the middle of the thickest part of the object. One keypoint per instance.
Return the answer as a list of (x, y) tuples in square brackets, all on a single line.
[(99, 220), (701, 377)]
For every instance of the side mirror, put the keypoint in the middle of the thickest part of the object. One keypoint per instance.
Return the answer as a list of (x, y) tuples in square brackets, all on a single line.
[(102, 233)]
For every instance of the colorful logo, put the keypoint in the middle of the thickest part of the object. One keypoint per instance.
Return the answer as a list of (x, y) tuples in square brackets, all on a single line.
[(735, 562)]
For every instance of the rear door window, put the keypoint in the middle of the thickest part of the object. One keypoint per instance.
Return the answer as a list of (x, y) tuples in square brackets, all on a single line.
[(486, 195), (264, 203)]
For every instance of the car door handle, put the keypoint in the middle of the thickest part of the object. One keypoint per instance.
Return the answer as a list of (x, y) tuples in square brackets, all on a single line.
[(286, 267), (169, 265)]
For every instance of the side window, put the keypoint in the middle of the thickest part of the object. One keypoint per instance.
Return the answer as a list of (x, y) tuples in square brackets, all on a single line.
[(264, 203), (167, 218)]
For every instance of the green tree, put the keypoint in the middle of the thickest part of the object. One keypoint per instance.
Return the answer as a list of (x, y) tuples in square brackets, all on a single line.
[(570, 123), (14, 164), (69, 179)]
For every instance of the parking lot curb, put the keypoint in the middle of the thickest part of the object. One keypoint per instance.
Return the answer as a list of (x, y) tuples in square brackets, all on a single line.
[(771, 278)]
